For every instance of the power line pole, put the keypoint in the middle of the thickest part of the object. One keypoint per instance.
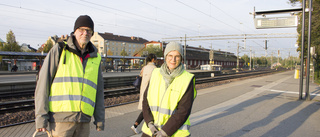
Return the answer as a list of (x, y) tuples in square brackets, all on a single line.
[(238, 57), (302, 49), (307, 96), (253, 61), (250, 59), (265, 49), (278, 57), (271, 60)]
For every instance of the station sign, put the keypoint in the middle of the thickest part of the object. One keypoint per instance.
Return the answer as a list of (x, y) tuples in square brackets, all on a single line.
[(276, 22)]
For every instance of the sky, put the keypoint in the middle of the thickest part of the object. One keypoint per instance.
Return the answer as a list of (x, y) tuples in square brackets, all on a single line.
[(33, 21)]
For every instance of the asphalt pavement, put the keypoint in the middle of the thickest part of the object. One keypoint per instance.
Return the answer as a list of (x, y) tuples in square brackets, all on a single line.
[(266, 106)]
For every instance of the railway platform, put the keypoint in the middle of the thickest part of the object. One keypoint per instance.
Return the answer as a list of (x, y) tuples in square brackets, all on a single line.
[(263, 106)]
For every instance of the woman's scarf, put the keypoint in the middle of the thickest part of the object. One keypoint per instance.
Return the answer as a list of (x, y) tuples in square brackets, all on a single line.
[(169, 76)]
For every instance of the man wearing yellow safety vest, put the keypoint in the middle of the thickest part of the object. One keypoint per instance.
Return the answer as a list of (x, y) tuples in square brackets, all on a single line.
[(70, 88), (169, 97)]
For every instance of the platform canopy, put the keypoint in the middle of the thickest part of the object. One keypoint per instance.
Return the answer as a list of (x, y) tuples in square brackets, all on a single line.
[(9, 53)]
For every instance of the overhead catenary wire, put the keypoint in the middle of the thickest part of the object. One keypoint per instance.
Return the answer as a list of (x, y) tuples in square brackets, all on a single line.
[(137, 15), (209, 15), (188, 20), (71, 17), (116, 25)]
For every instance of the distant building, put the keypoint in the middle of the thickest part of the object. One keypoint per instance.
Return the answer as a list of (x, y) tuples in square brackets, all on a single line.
[(197, 56), (55, 39), (116, 43), (2, 41), (26, 47)]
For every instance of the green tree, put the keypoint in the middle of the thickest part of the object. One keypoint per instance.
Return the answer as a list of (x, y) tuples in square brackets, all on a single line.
[(1, 45), (263, 61), (123, 53), (246, 59), (109, 53), (11, 38), (47, 46), (315, 29), (12, 44), (155, 50)]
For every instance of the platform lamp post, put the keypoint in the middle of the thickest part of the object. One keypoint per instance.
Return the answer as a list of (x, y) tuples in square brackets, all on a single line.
[(124, 49), (238, 57), (211, 55), (250, 59), (237, 68), (106, 42)]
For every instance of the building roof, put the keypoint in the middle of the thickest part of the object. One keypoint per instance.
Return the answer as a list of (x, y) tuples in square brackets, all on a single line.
[(1, 41), (110, 36), (195, 53), (9, 53)]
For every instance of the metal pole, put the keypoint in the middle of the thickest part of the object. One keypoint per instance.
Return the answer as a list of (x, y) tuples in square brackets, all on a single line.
[(266, 58), (253, 61), (302, 50), (271, 60), (278, 57), (290, 61), (238, 57), (307, 96), (250, 59)]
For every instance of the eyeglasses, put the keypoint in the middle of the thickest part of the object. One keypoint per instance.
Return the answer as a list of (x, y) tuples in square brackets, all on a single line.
[(170, 57), (89, 31)]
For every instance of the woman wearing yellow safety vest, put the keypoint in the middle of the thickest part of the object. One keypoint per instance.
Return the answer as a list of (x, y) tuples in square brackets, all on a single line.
[(169, 97)]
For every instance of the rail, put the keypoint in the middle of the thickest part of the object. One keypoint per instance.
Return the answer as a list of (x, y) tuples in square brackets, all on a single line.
[(10, 106)]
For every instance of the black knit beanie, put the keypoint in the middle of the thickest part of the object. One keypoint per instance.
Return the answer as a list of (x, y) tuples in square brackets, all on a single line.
[(83, 21)]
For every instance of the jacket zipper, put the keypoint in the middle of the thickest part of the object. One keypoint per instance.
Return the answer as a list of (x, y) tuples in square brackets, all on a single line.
[(82, 87), (160, 105)]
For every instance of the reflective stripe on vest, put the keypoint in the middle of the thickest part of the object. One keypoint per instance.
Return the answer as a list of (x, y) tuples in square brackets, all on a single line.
[(163, 102), (74, 88)]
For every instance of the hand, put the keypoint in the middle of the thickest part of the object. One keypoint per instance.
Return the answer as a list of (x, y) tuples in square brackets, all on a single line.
[(153, 128), (99, 129), (41, 129), (161, 133)]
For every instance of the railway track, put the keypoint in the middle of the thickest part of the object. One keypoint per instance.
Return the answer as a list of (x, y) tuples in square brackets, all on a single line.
[(11, 106), (126, 89)]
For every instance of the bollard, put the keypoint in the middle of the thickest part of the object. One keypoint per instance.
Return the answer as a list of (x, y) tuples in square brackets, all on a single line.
[(296, 74)]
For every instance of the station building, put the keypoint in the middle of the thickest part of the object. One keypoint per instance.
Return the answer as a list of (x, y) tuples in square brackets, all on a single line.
[(197, 56)]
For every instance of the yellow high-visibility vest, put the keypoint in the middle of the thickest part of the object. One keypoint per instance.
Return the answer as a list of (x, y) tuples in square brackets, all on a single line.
[(74, 88), (163, 103)]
